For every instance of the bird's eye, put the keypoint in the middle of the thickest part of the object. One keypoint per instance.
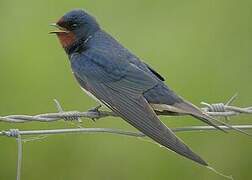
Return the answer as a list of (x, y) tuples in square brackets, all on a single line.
[(74, 25)]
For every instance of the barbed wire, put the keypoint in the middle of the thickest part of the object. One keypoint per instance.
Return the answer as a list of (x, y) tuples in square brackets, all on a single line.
[(16, 132), (216, 109)]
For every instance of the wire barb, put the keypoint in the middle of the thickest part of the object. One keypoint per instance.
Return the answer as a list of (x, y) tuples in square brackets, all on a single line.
[(216, 109), (12, 133), (67, 116)]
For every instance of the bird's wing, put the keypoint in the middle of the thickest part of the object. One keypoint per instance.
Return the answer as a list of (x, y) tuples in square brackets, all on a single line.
[(159, 76), (125, 97)]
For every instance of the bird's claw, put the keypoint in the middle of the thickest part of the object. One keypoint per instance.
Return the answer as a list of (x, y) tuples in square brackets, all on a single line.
[(95, 110)]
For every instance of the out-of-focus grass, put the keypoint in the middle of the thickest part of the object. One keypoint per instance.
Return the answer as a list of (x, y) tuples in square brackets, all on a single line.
[(202, 48)]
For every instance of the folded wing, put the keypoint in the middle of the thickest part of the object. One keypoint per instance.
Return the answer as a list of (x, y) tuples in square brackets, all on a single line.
[(125, 97)]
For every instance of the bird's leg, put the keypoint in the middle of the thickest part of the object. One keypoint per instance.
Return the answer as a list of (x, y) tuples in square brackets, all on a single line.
[(95, 110)]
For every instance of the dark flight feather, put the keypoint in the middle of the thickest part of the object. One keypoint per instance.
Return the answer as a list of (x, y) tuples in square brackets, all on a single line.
[(137, 112), (125, 97), (160, 77)]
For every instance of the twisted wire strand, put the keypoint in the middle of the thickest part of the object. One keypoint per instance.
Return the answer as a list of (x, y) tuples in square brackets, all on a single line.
[(16, 133), (217, 109)]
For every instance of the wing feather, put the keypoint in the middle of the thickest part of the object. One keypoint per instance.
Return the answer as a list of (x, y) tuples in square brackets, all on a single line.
[(134, 109), (120, 86)]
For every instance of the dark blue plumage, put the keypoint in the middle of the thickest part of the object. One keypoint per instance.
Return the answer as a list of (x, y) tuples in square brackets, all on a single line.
[(121, 81)]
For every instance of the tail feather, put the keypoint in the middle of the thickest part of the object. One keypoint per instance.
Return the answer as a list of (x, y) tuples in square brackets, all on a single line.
[(233, 128), (206, 119), (194, 111)]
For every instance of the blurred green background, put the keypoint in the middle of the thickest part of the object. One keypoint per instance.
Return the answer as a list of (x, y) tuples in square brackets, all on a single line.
[(203, 48)]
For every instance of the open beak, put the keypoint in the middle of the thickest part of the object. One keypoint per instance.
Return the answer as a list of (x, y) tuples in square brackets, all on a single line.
[(58, 30)]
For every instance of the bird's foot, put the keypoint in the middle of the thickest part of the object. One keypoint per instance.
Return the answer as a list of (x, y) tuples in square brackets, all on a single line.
[(96, 111)]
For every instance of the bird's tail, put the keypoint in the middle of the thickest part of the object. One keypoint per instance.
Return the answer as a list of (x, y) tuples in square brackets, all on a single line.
[(194, 111)]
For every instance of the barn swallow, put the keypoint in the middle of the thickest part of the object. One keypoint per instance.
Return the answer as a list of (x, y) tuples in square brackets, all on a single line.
[(122, 82)]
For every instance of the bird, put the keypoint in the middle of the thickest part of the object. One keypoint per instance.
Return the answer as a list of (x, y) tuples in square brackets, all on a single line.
[(122, 82)]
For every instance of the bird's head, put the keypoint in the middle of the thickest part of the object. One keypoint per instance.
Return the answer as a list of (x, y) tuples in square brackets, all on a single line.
[(74, 26)]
